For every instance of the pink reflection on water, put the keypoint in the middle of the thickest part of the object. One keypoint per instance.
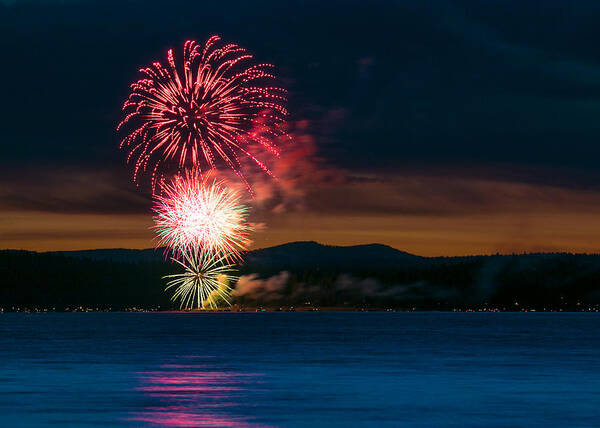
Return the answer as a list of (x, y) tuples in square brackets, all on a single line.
[(193, 396), (187, 381)]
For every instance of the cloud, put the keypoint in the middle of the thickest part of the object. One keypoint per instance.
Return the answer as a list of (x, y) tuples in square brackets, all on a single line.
[(46, 231), (371, 288), (292, 173), (71, 190), (298, 168), (424, 211), (455, 194), (251, 286), (277, 289)]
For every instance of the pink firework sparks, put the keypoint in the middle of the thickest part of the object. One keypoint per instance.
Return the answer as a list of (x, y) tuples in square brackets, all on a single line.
[(197, 212), (211, 110)]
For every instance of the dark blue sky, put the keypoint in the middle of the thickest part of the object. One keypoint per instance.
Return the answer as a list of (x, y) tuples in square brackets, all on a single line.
[(413, 81), (488, 90)]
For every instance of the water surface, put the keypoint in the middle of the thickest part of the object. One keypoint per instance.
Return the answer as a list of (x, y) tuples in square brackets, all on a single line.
[(300, 369)]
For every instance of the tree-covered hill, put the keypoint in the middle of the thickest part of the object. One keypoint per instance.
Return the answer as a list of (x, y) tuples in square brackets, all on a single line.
[(296, 273)]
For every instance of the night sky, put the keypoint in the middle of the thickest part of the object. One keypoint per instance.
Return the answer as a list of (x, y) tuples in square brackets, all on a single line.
[(439, 128)]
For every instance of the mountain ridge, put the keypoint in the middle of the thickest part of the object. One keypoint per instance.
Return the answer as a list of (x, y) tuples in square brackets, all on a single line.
[(363, 253), (299, 254)]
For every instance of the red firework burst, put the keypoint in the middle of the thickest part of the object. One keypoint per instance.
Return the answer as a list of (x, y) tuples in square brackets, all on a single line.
[(214, 109)]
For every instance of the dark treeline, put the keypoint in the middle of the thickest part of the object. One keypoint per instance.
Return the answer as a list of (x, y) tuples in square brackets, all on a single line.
[(512, 282), (58, 281)]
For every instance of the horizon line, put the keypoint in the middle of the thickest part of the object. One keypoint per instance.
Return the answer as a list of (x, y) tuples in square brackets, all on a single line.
[(321, 244)]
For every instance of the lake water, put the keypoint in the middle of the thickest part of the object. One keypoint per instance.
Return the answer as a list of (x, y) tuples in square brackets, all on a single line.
[(300, 369)]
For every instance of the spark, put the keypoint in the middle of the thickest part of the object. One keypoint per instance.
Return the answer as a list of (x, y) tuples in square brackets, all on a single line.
[(214, 108)]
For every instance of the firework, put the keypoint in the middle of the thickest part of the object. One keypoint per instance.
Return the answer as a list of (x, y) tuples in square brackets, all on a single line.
[(214, 108), (195, 212), (204, 283)]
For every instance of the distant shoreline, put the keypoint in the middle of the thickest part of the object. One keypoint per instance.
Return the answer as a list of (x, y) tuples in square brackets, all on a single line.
[(245, 310), (306, 276)]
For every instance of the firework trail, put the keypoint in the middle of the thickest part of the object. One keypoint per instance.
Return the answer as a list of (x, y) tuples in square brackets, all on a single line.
[(204, 283), (195, 211), (213, 108)]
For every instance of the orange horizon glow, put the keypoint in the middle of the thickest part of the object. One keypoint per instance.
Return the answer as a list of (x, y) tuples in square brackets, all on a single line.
[(420, 214), (424, 236)]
